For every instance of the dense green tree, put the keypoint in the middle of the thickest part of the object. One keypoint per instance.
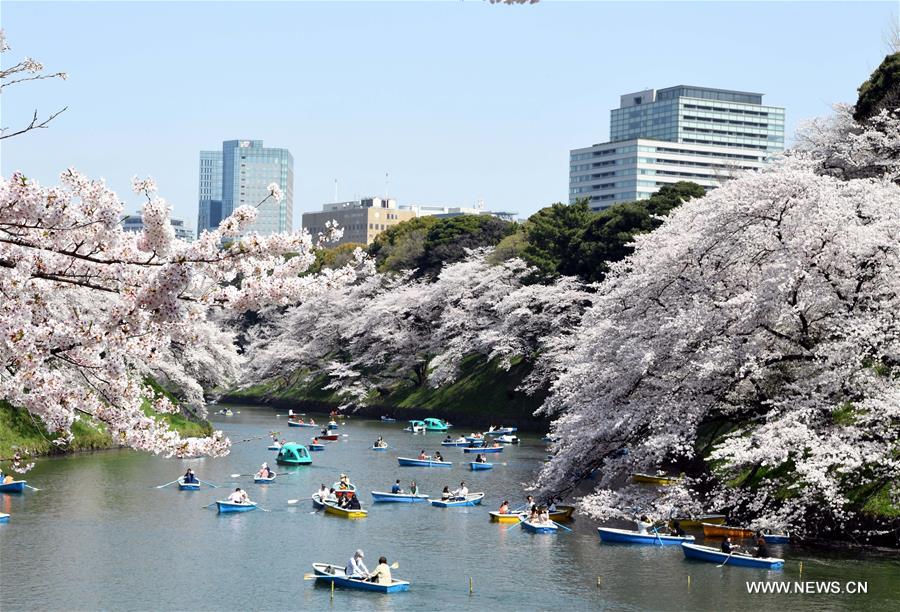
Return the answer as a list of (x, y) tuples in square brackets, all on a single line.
[(448, 240), (607, 236), (510, 247), (335, 257), (881, 90), (401, 246), (552, 235)]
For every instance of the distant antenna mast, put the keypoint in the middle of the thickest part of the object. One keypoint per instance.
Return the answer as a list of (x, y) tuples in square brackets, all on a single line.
[(387, 184), (335, 191)]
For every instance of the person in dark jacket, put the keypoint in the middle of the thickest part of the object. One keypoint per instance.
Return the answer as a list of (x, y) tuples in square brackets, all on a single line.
[(762, 550)]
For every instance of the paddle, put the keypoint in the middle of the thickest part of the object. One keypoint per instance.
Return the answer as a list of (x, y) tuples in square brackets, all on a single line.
[(208, 483), (209, 504), (513, 525), (656, 533), (32, 488), (168, 483), (727, 558), (558, 525)]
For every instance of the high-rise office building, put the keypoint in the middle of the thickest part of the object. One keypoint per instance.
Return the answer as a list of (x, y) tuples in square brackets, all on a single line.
[(680, 133), (240, 174)]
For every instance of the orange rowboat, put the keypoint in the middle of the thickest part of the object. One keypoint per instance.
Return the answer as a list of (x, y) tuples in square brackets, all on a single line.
[(720, 531)]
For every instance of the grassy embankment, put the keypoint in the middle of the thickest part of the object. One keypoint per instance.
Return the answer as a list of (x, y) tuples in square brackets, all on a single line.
[(19, 430), (482, 394)]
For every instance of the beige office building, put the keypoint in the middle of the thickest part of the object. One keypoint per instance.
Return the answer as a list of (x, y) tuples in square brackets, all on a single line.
[(361, 220)]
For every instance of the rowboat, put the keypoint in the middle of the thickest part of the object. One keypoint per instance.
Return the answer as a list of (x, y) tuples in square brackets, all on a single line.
[(274, 447), (499, 431), (656, 480), (332, 425), (416, 426), (777, 538), (472, 499), (188, 486), (562, 513), (407, 462), (225, 412), (458, 442), (508, 439), (331, 437), (345, 512), (388, 419), (475, 466), (268, 480), (721, 531), (298, 424), (336, 575), (433, 424), (714, 555), (379, 448), (508, 517), (402, 498), (4, 517), (628, 536), (539, 527), (16, 486), (293, 454), (474, 439), (225, 506), (712, 519), (495, 449), (316, 447)]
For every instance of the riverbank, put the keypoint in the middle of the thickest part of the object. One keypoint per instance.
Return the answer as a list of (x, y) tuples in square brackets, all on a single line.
[(20, 431), (482, 395)]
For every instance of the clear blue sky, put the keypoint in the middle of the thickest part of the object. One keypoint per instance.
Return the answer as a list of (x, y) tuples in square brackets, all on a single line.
[(458, 101)]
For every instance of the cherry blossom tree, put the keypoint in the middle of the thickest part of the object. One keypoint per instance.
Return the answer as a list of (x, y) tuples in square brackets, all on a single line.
[(756, 329)]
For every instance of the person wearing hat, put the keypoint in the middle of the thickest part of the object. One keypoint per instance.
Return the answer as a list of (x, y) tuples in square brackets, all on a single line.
[(264, 471), (356, 568)]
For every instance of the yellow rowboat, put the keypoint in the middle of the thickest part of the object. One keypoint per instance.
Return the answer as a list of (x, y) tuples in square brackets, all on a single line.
[(720, 531), (562, 513), (655, 480), (344, 512), (697, 523)]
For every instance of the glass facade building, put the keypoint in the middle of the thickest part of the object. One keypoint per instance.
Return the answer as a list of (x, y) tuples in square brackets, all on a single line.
[(239, 175), (719, 132)]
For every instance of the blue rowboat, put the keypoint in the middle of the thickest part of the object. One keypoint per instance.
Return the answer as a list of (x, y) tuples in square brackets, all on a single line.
[(407, 462), (4, 517), (296, 424), (332, 425), (714, 555), (379, 448), (501, 431), (16, 486), (461, 442), (274, 447), (326, 572), (387, 419), (472, 499), (474, 439), (225, 506), (627, 536), (475, 466), (498, 449), (269, 480), (316, 447), (539, 527), (401, 498), (777, 538), (188, 486)]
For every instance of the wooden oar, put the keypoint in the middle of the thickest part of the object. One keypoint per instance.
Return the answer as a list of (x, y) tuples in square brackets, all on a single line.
[(168, 483), (727, 558), (558, 525), (32, 488), (513, 525), (208, 483), (209, 504)]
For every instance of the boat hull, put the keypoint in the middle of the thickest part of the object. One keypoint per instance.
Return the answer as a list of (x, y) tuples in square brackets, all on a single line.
[(497, 449), (407, 462), (711, 555), (697, 523), (655, 480), (226, 507), (432, 424), (344, 512), (472, 499), (721, 531), (398, 498), (188, 486), (16, 486), (627, 536), (265, 480), (388, 420), (562, 513), (325, 572), (475, 466), (329, 437), (274, 447), (507, 518), (4, 518), (316, 447), (379, 448), (539, 528), (502, 431), (777, 538), (459, 444)]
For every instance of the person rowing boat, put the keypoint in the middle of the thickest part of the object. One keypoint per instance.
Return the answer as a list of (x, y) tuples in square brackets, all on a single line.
[(189, 476), (462, 492), (397, 489), (356, 568), (239, 497), (382, 573), (264, 471)]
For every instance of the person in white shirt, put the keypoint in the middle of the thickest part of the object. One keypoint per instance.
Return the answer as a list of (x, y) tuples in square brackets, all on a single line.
[(356, 568), (552, 507), (331, 497), (462, 491), (643, 524), (238, 497)]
